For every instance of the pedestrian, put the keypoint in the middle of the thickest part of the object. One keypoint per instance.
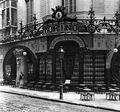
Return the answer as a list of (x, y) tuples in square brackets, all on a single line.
[(21, 79)]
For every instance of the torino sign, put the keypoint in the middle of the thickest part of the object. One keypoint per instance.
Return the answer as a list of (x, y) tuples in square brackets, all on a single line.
[(63, 27)]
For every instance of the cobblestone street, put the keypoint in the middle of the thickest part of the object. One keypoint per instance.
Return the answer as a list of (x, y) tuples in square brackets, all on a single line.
[(19, 103)]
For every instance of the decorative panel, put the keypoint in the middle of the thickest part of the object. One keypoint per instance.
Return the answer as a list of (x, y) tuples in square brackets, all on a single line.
[(88, 69), (49, 68), (45, 68), (75, 76), (58, 70), (94, 68), (99, 69), (42, 69)]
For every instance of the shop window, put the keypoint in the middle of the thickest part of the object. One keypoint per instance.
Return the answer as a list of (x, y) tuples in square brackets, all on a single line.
[(58, 68), (30, 69), (45, 68), (8, 71), (94, 68), (49, 68), (75, 76), (88, 69)]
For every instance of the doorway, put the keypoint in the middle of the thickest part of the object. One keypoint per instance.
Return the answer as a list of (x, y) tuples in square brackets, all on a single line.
[(71, 49)]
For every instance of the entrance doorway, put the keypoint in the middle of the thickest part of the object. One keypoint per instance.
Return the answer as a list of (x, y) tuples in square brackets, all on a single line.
[(68, 65), (71, 51)]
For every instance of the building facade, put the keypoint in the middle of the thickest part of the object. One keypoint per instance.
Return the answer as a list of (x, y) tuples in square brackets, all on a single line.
[(31, 35)]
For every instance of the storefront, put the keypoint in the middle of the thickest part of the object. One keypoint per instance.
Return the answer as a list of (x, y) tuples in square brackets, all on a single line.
[(86, 58)]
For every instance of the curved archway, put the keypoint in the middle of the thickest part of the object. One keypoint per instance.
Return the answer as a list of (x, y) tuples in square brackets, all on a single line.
[(10, 64), (75, 38)]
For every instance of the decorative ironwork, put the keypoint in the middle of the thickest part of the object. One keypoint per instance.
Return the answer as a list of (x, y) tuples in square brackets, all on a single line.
[(60, 23), (34, 21), (59, 13)]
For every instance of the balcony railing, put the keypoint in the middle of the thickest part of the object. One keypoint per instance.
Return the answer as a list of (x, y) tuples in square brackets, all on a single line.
[(66, 26)]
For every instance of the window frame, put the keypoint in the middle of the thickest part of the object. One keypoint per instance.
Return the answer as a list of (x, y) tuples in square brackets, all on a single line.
[(5, 7)]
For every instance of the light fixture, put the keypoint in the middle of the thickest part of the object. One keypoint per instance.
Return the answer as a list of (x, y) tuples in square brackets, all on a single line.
[(24, 53), (115, 47), (61, 56)]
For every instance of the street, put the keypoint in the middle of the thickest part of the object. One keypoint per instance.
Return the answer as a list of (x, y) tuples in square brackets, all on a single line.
[(19, 103)]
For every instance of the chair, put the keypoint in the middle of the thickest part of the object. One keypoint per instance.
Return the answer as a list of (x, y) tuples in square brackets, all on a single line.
[(83, 96), (107, 95), (66, 88), (38, 85), (111, 93), (91, 95)]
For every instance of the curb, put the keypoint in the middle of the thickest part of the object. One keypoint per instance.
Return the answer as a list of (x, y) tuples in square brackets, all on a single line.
[(60, 101)]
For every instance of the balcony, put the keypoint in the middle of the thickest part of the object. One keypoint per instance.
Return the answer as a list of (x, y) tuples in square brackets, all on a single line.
[(65, 25)]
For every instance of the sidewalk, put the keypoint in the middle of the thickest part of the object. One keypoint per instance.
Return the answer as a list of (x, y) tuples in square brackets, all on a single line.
[(69, 97)]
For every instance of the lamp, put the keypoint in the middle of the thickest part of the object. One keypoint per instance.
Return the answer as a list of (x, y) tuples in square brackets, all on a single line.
[(61, 52), (115, 47), (24, 53), (61, 56)]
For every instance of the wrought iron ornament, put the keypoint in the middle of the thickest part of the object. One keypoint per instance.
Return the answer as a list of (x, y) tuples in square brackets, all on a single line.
[(61, 23)]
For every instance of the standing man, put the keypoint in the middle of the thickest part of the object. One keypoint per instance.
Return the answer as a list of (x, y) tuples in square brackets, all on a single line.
[(21, 79)]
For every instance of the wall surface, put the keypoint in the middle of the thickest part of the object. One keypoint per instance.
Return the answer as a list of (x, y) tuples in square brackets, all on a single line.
[(21, 12)]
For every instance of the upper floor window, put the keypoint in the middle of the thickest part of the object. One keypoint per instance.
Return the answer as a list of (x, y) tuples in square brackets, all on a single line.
[(9, 12), (29, 4), (70, 5)]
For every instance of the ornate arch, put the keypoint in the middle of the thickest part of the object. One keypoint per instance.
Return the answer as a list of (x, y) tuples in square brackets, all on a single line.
[(77, 39), (11, 53)]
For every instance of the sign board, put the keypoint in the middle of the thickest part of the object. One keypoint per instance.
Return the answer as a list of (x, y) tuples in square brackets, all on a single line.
[(67, 81)]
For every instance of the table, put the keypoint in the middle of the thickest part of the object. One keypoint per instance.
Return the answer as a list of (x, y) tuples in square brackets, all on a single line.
[(87, 95), (112, 94)]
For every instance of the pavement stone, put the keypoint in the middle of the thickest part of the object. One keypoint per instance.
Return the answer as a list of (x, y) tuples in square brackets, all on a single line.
[(68, 97)]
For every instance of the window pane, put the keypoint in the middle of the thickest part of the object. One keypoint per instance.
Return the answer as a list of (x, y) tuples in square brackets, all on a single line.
[(8, 17), (7, 3), (3, 18), (14, 17), (13, 3)]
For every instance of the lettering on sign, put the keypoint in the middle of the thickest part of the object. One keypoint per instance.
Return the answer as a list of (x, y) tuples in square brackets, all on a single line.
[(61, 27)]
